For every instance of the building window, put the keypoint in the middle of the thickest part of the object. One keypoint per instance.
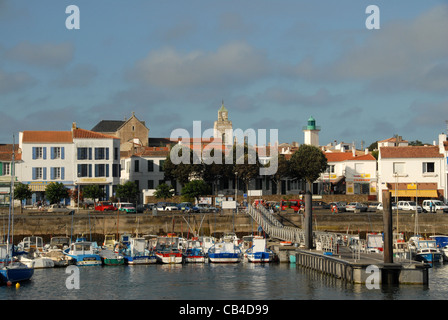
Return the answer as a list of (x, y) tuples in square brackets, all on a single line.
[(6, 169), (101, 153), (55, 173), (150, 166), (150, 184), (84, 170), (161, 162), (136, 165), (428, 167), (39, 173), (399, 168), (39, 153), (84, 153), (101, 170), (57, 152), (330, 168)]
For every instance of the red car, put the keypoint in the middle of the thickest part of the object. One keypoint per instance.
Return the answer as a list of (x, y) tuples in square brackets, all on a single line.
[(104, 206), (294, 204)]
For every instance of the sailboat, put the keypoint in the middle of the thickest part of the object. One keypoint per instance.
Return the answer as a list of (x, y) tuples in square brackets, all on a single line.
[(12, 271)]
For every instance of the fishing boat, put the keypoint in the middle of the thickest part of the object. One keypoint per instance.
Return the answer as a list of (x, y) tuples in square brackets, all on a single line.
[(167, 250), (109, 241), (374, 242), (83, 253), (442, 245), (259, 251), (193, 252), (31, 244), (425, 250), (111, 258), (54, 251), (137, 253), (29, 252), (224, 252)]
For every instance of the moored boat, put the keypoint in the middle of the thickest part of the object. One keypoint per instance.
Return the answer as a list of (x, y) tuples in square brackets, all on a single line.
[(84, 254), (12, 271), (111, 258), (442, 245), (167, 250), (137, 253), (224, 252), (259, 252), (194, 252)]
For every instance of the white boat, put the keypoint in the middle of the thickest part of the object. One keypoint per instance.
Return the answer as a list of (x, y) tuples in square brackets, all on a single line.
[(259, 251), (167, 250), (425, 250), (109, 241), (225, 252), (374, 242), (84, 254), (193, 253), (137, 253), (31, 244), (36, 261)]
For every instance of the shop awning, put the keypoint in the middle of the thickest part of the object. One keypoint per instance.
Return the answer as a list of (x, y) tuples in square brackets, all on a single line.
[(415, 193)]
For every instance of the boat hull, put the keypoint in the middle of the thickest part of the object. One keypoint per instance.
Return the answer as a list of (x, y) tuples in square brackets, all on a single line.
[(428, 257), (9, 275), (260, 257), (113, 261), (169, 258), (140, 260), (224, 257), (195, 259), (87, 261)]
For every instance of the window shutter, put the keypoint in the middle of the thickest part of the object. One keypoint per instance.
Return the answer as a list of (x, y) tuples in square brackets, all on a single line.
[(62, 152), (44, 153), (107, 153), (34, 173), (34, 153), (90, 153), (52, 152), (96, 170), (107, 170), (90, 170), (62, 173), (52, 173), (44, 173)]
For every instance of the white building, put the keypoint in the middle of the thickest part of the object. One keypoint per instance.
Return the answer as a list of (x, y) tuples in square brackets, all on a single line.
[(76, 157), (349, 173), (145, 168), (412, 172)]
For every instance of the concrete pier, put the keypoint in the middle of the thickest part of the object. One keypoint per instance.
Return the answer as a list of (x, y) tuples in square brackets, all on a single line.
[(356, 267)]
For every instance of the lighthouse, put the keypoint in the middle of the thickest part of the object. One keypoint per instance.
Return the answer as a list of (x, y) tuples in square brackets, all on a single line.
[(311, 133)]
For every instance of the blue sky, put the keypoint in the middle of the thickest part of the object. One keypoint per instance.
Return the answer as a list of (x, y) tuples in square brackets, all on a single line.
[(274, 63)]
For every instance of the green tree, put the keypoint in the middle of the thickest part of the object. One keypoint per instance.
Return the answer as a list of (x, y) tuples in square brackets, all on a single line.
[(56, 191), (128, 191), (194, 189), (164, 191), (247, 164), (215, 168), (186, 169), (22, 192), (92, 191), (308, 162)]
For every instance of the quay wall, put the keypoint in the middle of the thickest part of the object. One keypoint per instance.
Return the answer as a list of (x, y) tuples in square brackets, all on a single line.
[(85, 222)]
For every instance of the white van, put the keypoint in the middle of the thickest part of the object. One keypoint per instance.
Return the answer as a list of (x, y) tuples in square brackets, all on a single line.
[(408, 206), (437, 205)]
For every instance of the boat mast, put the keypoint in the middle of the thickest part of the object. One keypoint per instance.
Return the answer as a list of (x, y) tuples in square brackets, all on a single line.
[(11, 206)]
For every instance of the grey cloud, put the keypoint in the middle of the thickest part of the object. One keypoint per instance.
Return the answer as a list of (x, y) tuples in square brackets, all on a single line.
[(42, 55), (78, 76), (16, 81)]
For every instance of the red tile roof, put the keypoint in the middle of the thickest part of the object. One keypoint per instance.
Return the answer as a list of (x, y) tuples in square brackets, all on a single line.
[(47, 137), (87, 134), (347, 156), (411, 152)]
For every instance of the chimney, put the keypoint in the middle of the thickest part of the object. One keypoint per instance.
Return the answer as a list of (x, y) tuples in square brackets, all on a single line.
[(353, 150), (73, 126), (366, 151)]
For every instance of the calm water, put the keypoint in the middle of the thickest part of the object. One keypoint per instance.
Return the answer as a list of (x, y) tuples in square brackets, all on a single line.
[(213, 282)]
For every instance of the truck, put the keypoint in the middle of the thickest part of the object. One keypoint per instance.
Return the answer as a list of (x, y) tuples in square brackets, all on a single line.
[(104, 206)]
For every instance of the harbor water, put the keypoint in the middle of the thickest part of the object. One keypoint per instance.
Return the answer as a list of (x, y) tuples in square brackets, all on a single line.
[(239, 281)]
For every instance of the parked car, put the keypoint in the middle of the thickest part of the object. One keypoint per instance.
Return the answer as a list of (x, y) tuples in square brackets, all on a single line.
[(187, 207), (354, 206), (371, 206), (104, 206), (380, 206), (203, 207), (320, 205), (409, 206), (167, 206), (126, 207), (58, 208), (340, 207), (437, 205)]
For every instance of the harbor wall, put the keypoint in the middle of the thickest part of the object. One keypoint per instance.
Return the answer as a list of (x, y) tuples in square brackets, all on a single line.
[(47, 224)]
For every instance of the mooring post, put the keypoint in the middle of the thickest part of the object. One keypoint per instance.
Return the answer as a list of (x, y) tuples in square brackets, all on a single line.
[(388, 249), (308, 221)]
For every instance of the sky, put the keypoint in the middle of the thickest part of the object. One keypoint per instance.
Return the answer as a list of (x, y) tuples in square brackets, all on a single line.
[(273, 63)]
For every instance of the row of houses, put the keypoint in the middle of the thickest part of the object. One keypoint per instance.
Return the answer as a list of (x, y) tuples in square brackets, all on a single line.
[(115, 152)]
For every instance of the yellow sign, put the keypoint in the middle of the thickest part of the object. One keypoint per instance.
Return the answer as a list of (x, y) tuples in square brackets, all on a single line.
[(412, 186), (92, 180)]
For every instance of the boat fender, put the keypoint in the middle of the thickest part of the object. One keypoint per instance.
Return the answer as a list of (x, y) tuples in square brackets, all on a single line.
[(17, 285)]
